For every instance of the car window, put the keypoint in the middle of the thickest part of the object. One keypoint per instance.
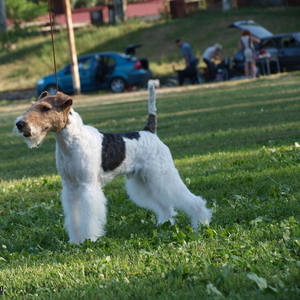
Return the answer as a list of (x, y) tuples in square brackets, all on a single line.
[(111, 62), (107, 60), (297, 36), (84, 64), (268, 43), (289, 42), (105, 65)]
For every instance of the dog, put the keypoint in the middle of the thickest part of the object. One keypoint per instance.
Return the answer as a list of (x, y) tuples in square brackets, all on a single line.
[(87, 159)]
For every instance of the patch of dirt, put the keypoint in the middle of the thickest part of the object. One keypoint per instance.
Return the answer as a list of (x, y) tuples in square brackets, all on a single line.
[(18, 94)]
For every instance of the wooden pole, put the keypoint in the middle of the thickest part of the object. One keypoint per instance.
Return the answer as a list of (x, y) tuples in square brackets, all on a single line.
[(72, 46)]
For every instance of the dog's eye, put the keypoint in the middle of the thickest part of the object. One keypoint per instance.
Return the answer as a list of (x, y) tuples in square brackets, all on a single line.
[(45, 108)]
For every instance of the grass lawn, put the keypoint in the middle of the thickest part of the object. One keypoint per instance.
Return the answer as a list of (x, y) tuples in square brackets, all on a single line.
[(237, 144)]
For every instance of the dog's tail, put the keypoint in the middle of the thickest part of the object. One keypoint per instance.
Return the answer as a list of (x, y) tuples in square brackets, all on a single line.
[(152, 122)]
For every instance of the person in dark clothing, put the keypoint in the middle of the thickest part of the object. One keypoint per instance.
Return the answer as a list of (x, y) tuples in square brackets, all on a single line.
[(191, 63)]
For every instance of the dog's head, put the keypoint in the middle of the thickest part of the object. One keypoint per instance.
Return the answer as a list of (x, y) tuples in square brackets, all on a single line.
[(49, 113)]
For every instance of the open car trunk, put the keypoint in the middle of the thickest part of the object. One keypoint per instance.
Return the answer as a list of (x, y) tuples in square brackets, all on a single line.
[(255, 29), (130, 50)]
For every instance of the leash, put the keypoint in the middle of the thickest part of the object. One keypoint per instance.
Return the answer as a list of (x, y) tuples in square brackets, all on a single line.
[(52, 41)]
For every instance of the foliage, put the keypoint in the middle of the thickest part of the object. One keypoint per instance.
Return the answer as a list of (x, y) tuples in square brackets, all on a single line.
[(234, 143), (84, 3), (23, 10), (19, 12)]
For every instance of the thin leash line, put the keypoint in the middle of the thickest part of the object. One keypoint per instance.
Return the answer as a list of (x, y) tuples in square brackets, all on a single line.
[(52, 40)]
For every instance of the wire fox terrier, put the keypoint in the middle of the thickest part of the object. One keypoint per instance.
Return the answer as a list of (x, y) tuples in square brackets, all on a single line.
[(88, 159)]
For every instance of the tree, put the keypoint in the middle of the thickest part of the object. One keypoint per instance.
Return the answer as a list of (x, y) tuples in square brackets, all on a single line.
[(84, 3), (2, 16), (24, 11), (227, 5), (120, 10)]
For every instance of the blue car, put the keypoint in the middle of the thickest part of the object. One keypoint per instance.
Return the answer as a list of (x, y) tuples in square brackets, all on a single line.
[(104, 70)]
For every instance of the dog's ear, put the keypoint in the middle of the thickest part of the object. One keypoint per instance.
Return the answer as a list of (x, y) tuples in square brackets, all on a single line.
[(63, 101), (43, 95)]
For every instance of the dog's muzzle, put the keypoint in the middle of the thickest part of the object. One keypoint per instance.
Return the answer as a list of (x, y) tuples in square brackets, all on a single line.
[(22, 128)]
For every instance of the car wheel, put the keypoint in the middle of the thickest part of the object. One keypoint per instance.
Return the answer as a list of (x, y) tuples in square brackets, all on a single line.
[(117, 85), (51, 89)]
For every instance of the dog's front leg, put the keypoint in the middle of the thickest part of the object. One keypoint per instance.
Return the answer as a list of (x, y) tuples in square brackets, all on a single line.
[(92, 211), (71, 206)]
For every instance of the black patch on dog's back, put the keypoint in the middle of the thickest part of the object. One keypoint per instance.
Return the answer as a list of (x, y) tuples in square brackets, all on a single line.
[(114, 150), (131, 135)]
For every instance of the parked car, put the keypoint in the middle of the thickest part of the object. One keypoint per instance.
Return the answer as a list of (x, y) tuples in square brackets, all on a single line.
[(284, 48), (104, 70)]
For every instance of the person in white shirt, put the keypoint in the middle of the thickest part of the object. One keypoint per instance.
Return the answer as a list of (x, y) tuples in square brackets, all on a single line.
[(212, 52)]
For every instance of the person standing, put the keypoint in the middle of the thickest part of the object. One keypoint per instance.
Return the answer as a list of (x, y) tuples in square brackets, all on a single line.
[(210, 53), (191, 63), (246, 42)]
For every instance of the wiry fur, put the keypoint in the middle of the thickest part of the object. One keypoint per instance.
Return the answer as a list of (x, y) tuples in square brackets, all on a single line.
[(87, 159)]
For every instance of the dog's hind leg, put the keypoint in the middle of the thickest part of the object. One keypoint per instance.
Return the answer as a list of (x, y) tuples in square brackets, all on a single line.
[(194, 206), (144, 196), (165, 191)]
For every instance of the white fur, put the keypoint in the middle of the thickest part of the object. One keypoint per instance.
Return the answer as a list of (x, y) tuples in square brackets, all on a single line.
[(37, 135)]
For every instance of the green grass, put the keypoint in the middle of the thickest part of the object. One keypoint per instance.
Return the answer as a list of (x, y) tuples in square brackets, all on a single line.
[(234, 143), (21, 68)]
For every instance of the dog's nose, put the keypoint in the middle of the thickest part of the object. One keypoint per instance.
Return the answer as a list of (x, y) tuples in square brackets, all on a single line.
[(20, 125)]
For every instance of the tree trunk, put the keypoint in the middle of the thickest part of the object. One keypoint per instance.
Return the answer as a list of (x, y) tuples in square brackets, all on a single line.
[(2, 16), (120, 7), (227, 5)]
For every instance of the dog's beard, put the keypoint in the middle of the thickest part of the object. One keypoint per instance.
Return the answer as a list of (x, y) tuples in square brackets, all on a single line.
[(36, 136), (34, 142)]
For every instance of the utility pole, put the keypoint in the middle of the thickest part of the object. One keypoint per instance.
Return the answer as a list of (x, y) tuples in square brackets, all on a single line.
[(72, 45), (2, 16)]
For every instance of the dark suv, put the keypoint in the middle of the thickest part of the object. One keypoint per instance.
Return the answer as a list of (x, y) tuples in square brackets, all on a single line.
[(284, 48)]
